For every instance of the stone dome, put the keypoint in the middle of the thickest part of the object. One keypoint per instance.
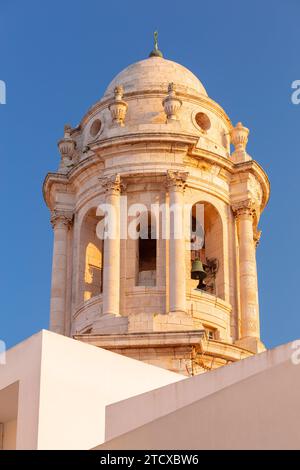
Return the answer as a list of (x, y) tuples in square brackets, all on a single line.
[(155, 73)]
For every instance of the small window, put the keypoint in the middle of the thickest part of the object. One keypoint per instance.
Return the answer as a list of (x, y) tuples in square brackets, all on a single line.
[(203, 121), (210, 333), (95, 128)]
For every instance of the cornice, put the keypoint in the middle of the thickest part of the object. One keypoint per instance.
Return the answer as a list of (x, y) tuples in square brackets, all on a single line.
[(50, 179), (83, 165), (153, 338), (69, 178), (211, 157), (180, 143), (255, 169), (250, 166)]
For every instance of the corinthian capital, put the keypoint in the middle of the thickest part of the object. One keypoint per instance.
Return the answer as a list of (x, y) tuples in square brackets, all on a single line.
[(176, 180), (246, 207), (61, 218), (112, 184)]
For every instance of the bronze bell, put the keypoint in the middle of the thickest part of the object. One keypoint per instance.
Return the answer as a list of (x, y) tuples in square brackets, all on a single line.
[(198, 273)]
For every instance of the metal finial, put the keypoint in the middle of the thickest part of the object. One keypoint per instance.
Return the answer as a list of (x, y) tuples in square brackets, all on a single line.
[(155, 40), (156, 52)]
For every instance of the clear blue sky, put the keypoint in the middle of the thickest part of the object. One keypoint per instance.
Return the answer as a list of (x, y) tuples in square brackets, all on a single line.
[(57, 57)]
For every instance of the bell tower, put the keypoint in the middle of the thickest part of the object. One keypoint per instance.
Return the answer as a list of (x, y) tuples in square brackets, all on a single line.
[(155, 224)]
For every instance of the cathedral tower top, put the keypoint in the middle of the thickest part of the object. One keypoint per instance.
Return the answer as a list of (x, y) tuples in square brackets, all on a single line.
[(157, 140)]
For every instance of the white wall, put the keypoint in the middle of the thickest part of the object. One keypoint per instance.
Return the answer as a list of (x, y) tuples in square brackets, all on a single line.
[(19, 390), (55, 390), (78, 381), (252, 404)]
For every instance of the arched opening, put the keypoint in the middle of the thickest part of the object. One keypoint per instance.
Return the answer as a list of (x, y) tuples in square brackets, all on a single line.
[(93, 271), (147, 251), (91, 265), (207, 247)]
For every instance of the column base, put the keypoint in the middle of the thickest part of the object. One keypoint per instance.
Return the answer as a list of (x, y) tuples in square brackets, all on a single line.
[(177, 312), (252, 344)]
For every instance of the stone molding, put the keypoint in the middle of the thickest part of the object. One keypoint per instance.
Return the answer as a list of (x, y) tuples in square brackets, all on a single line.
[(166, 339), (60, 218), (144, 339), (176, 180)]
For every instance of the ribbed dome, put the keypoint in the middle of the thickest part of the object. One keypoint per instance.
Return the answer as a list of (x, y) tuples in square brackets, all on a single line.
[(155, 73)]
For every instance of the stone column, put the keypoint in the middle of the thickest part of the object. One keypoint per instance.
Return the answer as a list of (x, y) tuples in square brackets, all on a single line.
[(61, 222), (111, 257), (177, 282), (244, 213)]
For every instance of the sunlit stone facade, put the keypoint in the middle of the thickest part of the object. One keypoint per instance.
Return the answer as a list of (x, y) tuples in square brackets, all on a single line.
[(156, 138)]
